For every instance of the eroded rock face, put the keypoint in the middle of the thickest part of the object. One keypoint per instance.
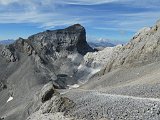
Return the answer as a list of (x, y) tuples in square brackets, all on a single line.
[(102, 57), (51, 104), (52, 101), (47, 92), (8, 53), (52, 52), (71, 40), (49, 43), (143, 48), (28, 64)]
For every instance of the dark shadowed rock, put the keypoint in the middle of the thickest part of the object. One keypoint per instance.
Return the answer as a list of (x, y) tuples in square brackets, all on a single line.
[(49, 103), (64, 41), (47, 92), (50, 51), (71, 40)]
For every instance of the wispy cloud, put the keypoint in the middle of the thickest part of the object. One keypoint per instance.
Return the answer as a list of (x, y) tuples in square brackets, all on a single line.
[(77, 2), (120, 29), (98, 16), (6, 2), (51, 13), (88, 2)]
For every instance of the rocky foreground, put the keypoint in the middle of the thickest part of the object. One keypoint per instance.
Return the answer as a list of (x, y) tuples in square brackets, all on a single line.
[(39, 77)]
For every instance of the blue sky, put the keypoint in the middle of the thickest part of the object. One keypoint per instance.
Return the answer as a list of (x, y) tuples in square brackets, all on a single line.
[(115, 21)]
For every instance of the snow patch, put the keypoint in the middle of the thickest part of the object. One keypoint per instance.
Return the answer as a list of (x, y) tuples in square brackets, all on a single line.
[(10, 99), (80, 67), (75, 58), (73, 86), (95, 71)]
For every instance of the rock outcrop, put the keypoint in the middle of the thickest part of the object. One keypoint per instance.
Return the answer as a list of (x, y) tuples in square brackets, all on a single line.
[(47, 92), (102, 57), (71, 39), (144, 48), (50, 104), (67, 41), (8, 53), (141, 50), (28, 64), (52, 52)]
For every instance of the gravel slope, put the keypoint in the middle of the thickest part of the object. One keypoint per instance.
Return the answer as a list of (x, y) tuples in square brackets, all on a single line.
[(94, 105), (130, 94)]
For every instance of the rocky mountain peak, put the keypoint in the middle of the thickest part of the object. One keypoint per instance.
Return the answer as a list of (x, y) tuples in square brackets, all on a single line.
[(71, 39), (56, 54), (76, 27), (63, 41)]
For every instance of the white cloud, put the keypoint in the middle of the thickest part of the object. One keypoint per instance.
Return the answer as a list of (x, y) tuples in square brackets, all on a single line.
[(42, 13), (45, 20), (45, 2), (45, 15), (62, 22), (144, 3), (6, 2), (103, 40), (24, 17), (88, 2)]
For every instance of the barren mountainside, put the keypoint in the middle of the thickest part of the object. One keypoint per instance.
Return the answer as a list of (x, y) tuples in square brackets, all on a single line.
[(56, 75), (28, 64)]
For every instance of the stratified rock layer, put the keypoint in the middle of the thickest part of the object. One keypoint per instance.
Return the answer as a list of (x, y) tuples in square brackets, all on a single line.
[(144, 48)]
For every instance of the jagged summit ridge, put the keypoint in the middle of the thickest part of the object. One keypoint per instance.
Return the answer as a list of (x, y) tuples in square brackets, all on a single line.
[(51, 42), (27, 64), (71, 39), (54, 53)]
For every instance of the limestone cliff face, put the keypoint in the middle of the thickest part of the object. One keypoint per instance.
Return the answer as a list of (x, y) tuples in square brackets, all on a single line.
[(69, 40), (52, 51), (28, 64), (144, 48)]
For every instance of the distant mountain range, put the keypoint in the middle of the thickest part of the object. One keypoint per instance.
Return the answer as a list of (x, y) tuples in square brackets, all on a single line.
[(100, 44), (6, 42)]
